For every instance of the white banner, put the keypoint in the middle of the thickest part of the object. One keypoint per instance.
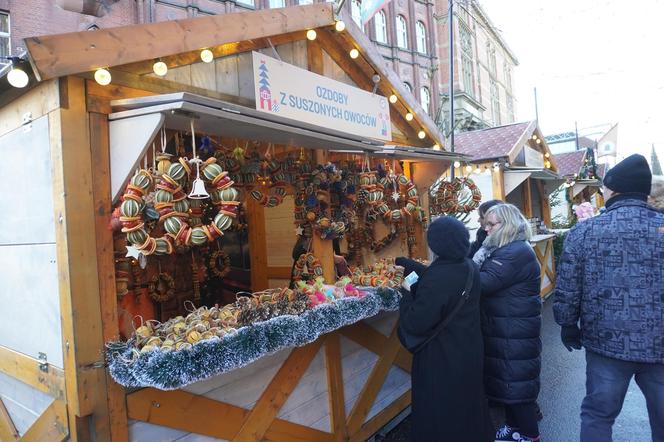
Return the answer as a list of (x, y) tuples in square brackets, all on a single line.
[(291, 92)]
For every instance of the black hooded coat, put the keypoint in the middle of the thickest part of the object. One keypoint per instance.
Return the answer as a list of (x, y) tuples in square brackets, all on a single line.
[(448, 401)]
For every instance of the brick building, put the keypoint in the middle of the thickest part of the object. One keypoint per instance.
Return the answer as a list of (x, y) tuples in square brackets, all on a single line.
[(411, 34)]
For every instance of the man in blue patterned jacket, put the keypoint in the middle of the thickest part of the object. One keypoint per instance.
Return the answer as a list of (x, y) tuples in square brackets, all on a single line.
[(611, 280)]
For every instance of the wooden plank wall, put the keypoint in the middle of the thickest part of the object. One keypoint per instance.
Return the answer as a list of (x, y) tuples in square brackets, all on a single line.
[(308, 404)]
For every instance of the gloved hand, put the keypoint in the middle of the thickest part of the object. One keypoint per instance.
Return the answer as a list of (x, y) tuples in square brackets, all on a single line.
[(571, 337)]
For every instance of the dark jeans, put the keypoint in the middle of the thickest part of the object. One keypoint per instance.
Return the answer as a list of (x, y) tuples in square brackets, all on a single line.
[(523, 417), (607, 380)]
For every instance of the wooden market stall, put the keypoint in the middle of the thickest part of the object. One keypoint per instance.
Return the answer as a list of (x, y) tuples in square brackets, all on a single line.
[(583, 181), (513, 163), (66, 279)]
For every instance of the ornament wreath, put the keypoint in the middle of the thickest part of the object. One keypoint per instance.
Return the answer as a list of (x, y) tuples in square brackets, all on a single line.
[(448, 196), (406, 186), (313, 265)]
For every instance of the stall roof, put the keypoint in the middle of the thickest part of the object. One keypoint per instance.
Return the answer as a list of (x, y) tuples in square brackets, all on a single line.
[(502, 142), (569, 163), (418, 154), (131, 50)]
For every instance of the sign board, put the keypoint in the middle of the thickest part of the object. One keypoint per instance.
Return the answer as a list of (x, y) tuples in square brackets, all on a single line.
[(533, 158), (288, 91)]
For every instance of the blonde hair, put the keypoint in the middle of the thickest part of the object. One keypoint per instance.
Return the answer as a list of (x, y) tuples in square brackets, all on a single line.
[(513, 225), (657, 193)]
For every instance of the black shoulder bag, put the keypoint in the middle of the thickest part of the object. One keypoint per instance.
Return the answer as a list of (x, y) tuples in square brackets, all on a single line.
[(465, 294)]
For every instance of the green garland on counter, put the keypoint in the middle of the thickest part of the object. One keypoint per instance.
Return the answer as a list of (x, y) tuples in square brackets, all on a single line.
[(175, 369)]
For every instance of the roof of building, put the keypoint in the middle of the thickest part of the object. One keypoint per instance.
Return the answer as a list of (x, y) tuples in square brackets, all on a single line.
[(585, 142), (569, 163), (601, 170), (494, 142)]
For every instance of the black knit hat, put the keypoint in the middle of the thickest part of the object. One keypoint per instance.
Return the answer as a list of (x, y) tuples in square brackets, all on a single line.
[(631, 175), (448, 238)]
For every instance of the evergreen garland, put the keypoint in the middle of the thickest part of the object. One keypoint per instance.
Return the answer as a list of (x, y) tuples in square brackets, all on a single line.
[(175, 369)]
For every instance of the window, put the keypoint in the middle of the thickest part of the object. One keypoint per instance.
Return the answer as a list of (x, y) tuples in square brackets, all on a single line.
[(305, 2), (402, 32), (510, 108), (466, 59), (495, 103), (5, 43), (425, 99), (508, 77), (380, 25), (421, 33), (277, 3), (356, 12), (246, 2), (491, 58), (408, 86)]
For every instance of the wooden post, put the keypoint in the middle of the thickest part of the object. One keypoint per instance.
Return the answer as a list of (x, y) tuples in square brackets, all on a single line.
[(527, 199), (599, 200), (101, 189), (498, 184), (546, 205), (82, 338), (257, 243)]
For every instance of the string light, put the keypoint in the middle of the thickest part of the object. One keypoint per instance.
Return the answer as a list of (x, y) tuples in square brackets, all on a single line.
[(421, 135), (354, 53), (469, 168), (547, 164), (207, 56), (534, 137), (496, 167), (17, 77), (487, 170), (393, 98), (436, 146), (457, 164), (547, 155), (311, 34), (339, 25), (102, 76), (409, 116), (478, 170), (160, 68)]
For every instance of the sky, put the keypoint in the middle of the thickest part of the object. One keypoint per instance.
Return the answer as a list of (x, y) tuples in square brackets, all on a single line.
[(594, 62)]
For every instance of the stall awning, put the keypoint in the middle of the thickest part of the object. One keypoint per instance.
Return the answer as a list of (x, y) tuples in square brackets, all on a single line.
[(132, 128), (517, 175), (580, 185), (418, 154)]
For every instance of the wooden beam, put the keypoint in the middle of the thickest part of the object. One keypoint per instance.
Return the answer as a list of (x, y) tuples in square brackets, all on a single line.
[(340, 57), (335, 387), (381, 419), (82, 338), (315, 57), (374, 341), (277, 392), (26, 369), (257, 245), (101, 190), (8, 430), (51, 425), (37, 102), (219, 51), (527, 199), (376, 379), (545, 203), (64, 54), (185, 411), (498, 184)]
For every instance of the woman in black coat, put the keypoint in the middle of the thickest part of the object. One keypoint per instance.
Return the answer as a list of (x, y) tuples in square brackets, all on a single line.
[(511, 321), (448, 402)]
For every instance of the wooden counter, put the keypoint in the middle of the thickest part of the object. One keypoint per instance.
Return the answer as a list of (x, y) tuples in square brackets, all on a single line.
[(543, 247)]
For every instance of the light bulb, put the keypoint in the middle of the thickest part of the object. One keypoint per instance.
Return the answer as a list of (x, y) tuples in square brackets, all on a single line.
[(207, 56), (393, 98), (436, 146), (339, 26), (478, 170), (354, 53), (311, 34), (409, 116), (534, 137), (547, 164), (547, 155), (457, 164), (102, 76), (496, 167), (487, 171), (17, 77), (469, 168), (160, 68), (421, 135), (538, 141)]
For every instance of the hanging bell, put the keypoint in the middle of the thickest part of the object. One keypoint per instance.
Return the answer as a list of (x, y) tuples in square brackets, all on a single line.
[(198, 191)]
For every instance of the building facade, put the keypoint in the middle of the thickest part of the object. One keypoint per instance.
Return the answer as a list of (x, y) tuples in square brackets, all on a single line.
[(412, 35)]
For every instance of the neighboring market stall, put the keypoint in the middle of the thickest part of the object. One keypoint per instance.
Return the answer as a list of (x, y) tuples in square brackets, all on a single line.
[(513, 163), (165, 210), (583, 183)]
